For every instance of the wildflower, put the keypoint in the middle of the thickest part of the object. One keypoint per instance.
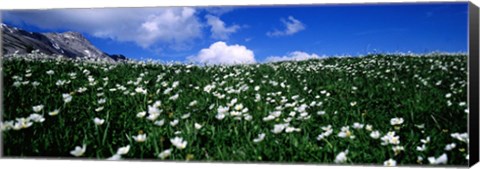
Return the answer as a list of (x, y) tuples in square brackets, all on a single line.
[(341, 157), (140, 138), (375, 134), (50, 72), (451, 146), (99, 109), (98, 121), (123, 150), (369, 127), (396, 121), (67, 98), (54, 112), (462, 104), (357, 125), (390, 138), (461, 137), (278, 128), (220, 116), (115, 157), (174, 97), (397, 149), (179, 142), (79, 151), (390, 163), (102, 101), (186, 116), (141, 114), (289, 129), (353, 103), (193, 103), (260, 138), (174, 122), (321, 112), (36, 118), (159, 122), (448, 95), (426, 140), (164, 154), (37, 108), (421, 148), (440, 160), (198, 126)]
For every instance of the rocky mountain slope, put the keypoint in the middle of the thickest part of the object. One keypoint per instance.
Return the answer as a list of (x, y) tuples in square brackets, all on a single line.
[(68, 44)]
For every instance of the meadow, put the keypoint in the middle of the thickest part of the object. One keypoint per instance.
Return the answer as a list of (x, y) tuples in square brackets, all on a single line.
[(376, 109)]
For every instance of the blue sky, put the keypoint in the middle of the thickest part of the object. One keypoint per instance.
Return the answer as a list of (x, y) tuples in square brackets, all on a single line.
[(259, 33)]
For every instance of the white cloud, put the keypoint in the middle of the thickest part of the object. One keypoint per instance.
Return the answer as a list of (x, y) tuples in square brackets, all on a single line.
[(218, 28), (293, 56), (292, 26), (143, 26), (221, 53)]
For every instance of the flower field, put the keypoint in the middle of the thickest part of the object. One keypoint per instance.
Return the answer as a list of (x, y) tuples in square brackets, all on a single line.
[(377, 109)]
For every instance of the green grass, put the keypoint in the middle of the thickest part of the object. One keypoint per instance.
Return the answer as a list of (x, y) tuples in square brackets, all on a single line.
[(387, 87)]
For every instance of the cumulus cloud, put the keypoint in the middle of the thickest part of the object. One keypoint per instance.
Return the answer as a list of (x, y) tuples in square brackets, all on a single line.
[(293, 56), (218, 28), (221, 53), (144, 26), (292, 26)]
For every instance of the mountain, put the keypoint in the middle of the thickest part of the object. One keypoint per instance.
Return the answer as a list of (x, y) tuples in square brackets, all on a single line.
[(68, 44)]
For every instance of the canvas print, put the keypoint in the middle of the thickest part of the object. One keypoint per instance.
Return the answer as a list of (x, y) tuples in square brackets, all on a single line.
[(369, 84)]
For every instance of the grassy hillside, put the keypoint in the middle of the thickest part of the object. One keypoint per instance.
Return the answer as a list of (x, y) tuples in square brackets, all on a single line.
[(375, 106)]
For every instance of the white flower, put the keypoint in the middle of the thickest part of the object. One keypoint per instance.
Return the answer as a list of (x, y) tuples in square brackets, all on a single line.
[(238, 107), (193, 103), (462, 104), (289, 129), (353, 103), (50, 72), (141, 90), (461, 137), (174, 97), (426, 140), (448, 95), (396, 121), (179, 142), (440, 160), (186, 116), (390, 163), (451, 146), (390, 138), (37, 108), (79, 151), (123, 150), (220, 116), (422, 148), (278, 128), (222, 110), (54, 112), (36, 118), (140, 138), (369, 127), (375, 134), (164, 154), (321, 112), (260, 137), (198, 126), (115, 157), (269, 118), (341, 157), (98, 121), (141, 114), (102, 101), (67, 98), (357, 125), (174, 122), (99, 109), (159, 122)]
